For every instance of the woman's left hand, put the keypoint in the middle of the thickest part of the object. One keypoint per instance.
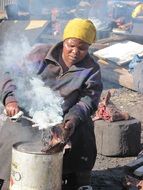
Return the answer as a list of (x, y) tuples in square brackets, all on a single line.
[(69, 127)]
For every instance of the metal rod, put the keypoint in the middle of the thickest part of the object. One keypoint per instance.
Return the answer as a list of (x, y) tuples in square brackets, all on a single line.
[(27, 118)]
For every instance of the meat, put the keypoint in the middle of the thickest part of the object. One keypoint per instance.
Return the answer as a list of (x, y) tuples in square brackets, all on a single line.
[(59, 138), (108, 111)]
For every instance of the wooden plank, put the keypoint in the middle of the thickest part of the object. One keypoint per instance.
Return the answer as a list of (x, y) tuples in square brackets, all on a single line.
[(115, 74), (129, 36), (112, 39)]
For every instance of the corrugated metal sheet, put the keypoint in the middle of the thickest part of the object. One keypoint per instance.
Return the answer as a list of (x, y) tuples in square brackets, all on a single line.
[(6, 2)]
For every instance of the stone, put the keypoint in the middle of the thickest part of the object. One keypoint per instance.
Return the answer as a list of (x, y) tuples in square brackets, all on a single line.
[(120, 138)]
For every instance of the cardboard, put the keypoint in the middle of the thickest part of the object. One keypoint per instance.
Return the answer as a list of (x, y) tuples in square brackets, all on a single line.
[(120, 53)]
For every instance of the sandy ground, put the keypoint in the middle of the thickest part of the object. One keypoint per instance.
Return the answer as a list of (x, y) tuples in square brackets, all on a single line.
[(108, 172)]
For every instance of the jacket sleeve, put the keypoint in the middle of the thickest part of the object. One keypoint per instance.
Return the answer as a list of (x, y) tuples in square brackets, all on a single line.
[(7, 85), (89, 99), (7, 89)]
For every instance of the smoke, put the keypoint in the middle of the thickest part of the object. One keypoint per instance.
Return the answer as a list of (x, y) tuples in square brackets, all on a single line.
[(98, 14), (41, 102)]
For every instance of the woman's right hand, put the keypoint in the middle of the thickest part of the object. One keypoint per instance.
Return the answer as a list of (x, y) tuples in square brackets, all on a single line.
[(12, 108)]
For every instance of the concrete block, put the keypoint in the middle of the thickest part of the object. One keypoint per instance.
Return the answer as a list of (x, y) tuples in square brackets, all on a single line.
[(120, 138)]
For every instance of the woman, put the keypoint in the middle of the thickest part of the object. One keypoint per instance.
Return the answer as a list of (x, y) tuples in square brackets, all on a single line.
[(68, 68)]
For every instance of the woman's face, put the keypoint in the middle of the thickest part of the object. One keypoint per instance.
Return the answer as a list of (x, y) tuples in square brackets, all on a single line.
[(74, 50)]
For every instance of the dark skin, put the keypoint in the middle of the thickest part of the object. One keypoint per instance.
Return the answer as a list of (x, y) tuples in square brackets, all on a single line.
[(74, 50)]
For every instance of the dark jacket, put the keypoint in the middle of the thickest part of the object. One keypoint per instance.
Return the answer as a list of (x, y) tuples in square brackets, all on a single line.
[(81, 88)]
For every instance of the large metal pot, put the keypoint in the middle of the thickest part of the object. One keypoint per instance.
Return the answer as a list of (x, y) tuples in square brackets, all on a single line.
[(33, 170)]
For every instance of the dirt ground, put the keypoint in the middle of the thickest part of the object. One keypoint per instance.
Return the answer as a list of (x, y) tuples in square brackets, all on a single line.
[(108, 172)]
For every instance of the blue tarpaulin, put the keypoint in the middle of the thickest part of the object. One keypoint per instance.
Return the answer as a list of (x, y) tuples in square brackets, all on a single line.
[(136, 68)]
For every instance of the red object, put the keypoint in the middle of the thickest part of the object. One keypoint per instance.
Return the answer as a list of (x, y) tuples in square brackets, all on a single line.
[(108, 111), (11, 181)]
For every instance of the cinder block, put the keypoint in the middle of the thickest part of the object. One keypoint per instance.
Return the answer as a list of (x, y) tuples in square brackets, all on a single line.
[(120, 138)]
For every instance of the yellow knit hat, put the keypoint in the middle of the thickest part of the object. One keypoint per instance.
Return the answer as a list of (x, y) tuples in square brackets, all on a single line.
[(80, 28)]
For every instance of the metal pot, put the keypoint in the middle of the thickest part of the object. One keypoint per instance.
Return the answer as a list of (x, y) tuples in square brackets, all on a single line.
[(33, 170), (12, 11)]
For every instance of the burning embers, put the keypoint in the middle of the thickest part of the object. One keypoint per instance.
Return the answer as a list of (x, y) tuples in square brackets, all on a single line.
[(52, 141), (55, 139)]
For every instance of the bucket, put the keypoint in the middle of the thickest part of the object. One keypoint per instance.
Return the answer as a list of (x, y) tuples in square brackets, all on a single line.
[(12, 11), (32, 169)]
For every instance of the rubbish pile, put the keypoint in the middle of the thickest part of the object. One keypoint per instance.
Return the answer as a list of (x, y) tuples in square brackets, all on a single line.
[(134, 180)]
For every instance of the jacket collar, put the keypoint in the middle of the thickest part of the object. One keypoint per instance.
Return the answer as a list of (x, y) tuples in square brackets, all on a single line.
[(53, 55)]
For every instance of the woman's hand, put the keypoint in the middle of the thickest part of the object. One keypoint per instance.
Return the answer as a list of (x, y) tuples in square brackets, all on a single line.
[(12, 108), (69, 127), (62, 132)]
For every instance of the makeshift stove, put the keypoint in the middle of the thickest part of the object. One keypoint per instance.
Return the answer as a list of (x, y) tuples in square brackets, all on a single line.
[(53, 138), (33, 169), (38, 165)]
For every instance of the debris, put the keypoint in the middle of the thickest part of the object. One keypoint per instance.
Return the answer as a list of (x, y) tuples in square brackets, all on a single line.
[(136, 60), (132, 183)]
